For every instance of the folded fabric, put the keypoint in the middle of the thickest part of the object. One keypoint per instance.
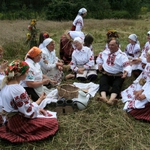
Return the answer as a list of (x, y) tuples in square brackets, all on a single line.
[(91, 87)]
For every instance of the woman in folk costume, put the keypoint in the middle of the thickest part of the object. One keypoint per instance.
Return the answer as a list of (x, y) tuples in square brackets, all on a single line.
[(50, 64), (133, 52), (78, 21), (82, 62), (35, 81), (146, 47), (26, 121), (137, 96), (66, 45)]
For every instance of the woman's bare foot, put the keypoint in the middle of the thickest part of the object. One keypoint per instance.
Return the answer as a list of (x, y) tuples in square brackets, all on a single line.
[(112, 102), (105, 100)]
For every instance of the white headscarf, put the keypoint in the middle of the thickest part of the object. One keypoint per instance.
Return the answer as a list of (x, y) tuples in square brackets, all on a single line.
[(133, 37), (82, 11), (47, 41), (79, 39)]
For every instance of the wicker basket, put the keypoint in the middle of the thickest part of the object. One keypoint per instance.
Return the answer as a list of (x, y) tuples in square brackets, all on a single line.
[(67, 91)]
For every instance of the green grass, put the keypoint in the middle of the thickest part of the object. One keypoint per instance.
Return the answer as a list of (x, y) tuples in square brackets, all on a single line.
[(99, 126)]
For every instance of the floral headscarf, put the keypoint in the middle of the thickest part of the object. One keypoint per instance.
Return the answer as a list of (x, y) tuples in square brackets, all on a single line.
[(112, 33), (16, 68), (45, 35)]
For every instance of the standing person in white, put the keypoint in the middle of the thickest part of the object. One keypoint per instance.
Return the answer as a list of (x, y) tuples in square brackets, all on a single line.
[(78, 21), (116, 67)]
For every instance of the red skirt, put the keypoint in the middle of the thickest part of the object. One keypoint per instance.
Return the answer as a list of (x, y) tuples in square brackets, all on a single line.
[(141, 114), (19, 129)]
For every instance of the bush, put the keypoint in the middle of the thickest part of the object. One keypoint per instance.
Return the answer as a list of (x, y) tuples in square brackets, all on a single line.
[(119, 14), (144, 10), (60, 11)]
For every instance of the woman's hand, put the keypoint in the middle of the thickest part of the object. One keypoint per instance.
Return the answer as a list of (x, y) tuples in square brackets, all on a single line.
[(136, 61), (141, 97), (59, 64), (60, 68), (53, 82), (137, 93), (45, 61), (43, 112), (124, 75), (42, 97), (45, 81), (81, 70)]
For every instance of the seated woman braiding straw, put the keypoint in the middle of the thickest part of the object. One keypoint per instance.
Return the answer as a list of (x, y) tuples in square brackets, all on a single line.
[(82, 63), (25, 121), (35, 81)]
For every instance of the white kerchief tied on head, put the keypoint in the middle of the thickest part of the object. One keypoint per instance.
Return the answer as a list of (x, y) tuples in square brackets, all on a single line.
[(133, 37), (82, 11), (47, 41), (79, 39)]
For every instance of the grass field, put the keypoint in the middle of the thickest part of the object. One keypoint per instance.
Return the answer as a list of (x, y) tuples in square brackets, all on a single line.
[(99, 126)]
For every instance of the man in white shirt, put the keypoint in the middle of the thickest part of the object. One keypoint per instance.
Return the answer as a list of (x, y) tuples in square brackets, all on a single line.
[(115, 67)]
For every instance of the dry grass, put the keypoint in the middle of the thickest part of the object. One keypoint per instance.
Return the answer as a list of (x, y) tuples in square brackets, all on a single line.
[(99, 127)]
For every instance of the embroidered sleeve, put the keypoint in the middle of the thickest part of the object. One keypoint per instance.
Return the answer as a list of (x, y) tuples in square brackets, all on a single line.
[(126, 65), (90, 62), (99, 59), (22, 102), (73, 64)]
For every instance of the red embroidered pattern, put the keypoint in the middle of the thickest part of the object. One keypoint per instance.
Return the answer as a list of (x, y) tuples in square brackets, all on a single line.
[(125, 64), (131, 104), (111, 59), (19, 101)]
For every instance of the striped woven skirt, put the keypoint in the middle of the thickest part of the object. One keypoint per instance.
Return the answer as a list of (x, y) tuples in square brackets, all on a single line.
[(141, 114), (21, 129)]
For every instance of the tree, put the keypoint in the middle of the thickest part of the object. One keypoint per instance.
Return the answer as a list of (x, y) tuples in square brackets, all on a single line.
[(133, 7)]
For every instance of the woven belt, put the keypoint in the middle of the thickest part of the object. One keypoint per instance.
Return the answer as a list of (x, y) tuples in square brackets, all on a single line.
[(114, 75)]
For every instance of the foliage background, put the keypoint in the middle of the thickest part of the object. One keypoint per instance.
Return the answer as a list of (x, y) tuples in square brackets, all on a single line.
[(67, 9)]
